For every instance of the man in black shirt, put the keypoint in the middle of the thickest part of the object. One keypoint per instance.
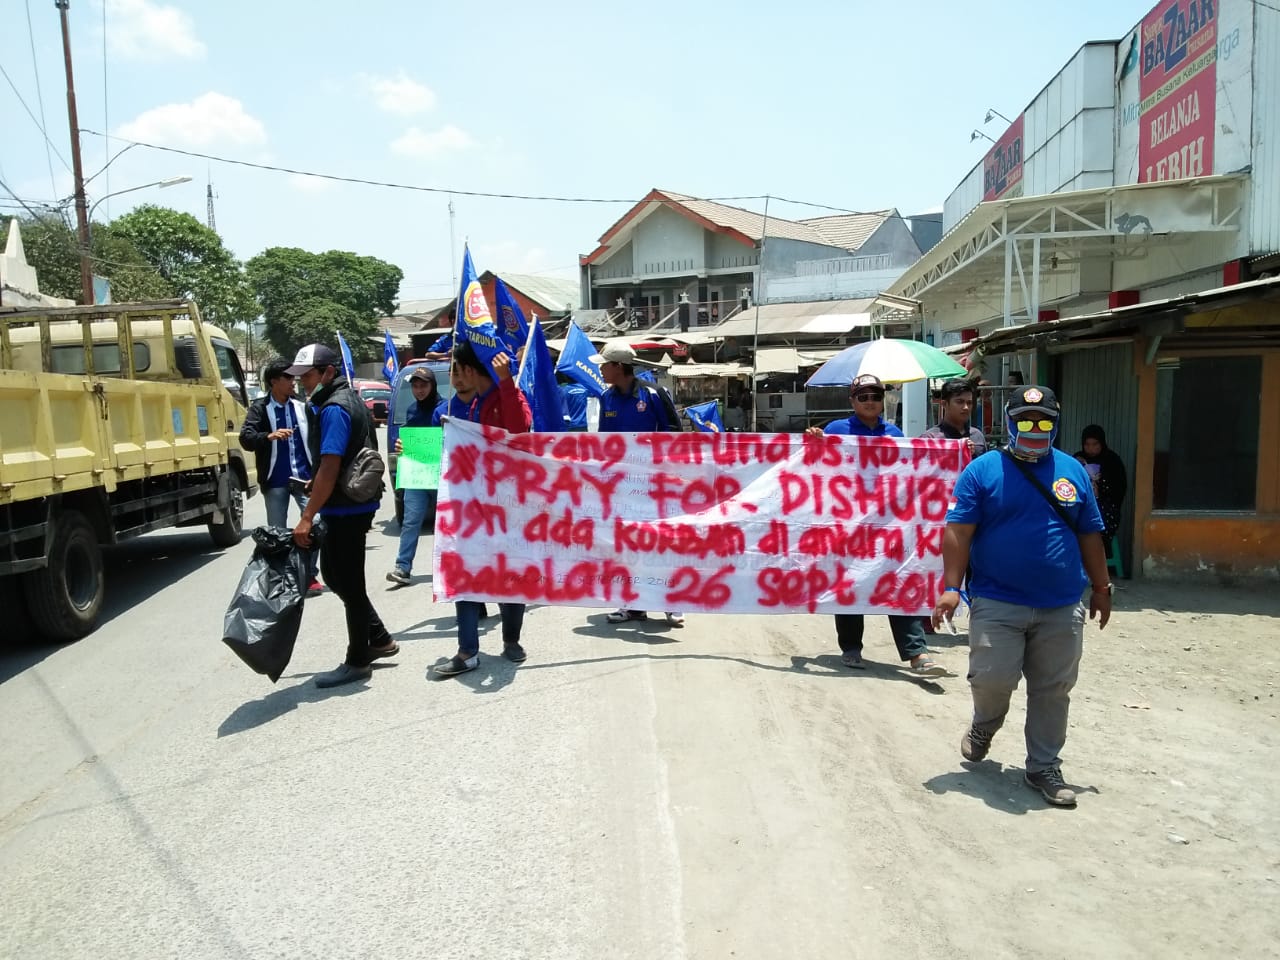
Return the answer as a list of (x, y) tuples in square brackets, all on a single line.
[(957, 406)]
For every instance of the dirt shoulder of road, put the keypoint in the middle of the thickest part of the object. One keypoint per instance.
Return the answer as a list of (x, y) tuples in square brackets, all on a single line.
[(822, 812)]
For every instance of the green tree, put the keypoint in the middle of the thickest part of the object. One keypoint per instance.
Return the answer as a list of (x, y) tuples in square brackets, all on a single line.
[(192, 259), (310, 297), (52, 248)]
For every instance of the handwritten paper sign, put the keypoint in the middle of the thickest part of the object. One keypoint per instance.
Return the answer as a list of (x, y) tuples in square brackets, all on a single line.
[(712, 522), (418, 466)]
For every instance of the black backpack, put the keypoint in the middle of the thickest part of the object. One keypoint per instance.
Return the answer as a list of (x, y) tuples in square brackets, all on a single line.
[(668, 404)]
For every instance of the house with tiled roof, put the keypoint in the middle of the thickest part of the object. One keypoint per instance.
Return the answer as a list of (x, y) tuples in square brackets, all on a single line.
[(673, 255)]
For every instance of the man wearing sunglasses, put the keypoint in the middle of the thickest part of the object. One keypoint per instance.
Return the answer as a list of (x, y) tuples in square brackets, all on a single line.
[(1027, 521), (866, 395)]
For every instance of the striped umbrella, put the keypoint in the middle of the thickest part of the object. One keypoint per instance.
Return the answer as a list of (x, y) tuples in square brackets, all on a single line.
[(893, 361)]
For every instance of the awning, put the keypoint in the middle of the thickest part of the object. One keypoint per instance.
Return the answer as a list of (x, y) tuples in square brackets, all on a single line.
[(820, 316), (727, 370)]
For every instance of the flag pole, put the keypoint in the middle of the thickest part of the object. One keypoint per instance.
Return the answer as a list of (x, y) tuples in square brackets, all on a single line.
[(755, 344)]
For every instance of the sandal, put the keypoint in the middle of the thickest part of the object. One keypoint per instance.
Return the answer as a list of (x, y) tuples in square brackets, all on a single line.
[(927, 667)]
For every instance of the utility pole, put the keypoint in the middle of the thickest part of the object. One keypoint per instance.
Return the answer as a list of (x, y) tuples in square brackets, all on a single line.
[(82, 212), (453, 252)]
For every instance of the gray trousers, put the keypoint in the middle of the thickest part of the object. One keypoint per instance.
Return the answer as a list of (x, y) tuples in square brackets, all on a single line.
[(1008, 642)]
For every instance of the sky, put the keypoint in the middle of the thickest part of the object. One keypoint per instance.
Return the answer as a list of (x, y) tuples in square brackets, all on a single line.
[(854, 105)]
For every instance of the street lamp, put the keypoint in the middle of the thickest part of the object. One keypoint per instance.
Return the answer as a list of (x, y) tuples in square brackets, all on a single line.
[(993, 112), (978, 133), (86, 260)]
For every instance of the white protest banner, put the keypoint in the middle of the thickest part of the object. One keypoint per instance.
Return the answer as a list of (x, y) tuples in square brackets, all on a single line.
[(710, 522)]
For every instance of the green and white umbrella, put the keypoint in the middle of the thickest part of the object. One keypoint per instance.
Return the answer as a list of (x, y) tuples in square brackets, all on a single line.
[(893, 361)]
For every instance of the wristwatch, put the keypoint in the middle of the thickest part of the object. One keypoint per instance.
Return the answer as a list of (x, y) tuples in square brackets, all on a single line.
[(1109, 589)]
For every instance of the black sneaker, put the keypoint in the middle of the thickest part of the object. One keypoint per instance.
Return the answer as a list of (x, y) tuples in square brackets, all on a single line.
[(514, 652), (1052, 787), (975, 743), (345, 673), (455, 665)]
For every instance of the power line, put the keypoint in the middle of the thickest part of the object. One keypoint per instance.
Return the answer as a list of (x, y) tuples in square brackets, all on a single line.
[(449, 191), (35, 68), (14, 88)]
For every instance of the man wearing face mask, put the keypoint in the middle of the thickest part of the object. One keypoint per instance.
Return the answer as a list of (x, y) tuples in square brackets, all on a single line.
[(1026, 519)]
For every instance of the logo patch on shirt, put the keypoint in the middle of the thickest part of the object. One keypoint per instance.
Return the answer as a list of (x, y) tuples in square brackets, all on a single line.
[(1065, 490), (641, 406)]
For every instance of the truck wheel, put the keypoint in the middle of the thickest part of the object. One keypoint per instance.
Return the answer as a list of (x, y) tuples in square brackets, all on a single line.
[(227, 533), (65, 598)]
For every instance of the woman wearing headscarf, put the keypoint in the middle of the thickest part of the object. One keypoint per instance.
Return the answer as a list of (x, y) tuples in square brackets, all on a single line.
[(1109, 479), (419, 505)]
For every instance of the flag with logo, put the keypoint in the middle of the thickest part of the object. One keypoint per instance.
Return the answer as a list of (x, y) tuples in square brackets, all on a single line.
[(511, 323), (348, 364), (537, 381), (390, 360), (474, 321), (705, 417), (575, 361)]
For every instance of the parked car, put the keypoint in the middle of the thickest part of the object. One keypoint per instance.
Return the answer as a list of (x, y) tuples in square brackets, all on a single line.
[(376, 395), (401, 397)]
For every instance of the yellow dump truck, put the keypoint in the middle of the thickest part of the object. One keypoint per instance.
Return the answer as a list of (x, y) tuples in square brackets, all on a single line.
[(114, 421)]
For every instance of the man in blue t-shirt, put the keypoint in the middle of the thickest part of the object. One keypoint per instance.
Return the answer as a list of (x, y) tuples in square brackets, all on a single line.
[(629, 405), (866, 396), (339, 427), (1026, 520)]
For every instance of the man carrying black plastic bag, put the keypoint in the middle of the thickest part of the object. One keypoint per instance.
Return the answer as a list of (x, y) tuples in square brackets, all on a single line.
[(262, 622)]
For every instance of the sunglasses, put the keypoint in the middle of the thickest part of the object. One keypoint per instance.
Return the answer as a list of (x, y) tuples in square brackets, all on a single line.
[(868, 397), (1044, 426)]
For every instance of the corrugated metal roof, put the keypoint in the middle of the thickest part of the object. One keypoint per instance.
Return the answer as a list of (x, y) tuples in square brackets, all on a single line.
[(849, 230), (556, 294)]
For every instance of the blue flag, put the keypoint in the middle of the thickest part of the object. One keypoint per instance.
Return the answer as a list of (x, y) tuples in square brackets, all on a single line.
[(575, 361), (537, 381), (644, 373), (705, 417), (390, 360), (511, 323), (474, 321), (575, 405), (348, 365)]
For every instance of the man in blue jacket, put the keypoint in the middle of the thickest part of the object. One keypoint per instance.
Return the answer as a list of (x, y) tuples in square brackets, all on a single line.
[(866, 395), (1026, 519)]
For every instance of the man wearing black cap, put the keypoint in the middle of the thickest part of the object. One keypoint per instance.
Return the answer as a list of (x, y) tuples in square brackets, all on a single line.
[(866, 395), (339, 426), (1027, 521)]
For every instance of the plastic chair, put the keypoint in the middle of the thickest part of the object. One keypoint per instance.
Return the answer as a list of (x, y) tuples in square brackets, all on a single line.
[(1114, 564)]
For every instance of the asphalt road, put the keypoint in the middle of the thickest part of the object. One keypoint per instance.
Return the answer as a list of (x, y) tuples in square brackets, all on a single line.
[(724, 790)]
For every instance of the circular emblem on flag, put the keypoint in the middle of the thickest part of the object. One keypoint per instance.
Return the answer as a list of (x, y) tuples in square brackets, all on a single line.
[(1033, 396), (509, 319), (1065, 490), (477, 309)]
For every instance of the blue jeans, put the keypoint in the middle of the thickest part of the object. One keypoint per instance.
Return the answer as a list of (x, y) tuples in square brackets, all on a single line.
[(419, 506), (277, 500), (469, 624)]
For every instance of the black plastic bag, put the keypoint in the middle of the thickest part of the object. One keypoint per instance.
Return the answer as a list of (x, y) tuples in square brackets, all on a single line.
[(262, 622)]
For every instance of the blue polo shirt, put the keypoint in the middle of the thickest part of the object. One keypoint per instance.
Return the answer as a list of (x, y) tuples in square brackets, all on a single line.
[(638, 411), (1022, 552), (853, 427), (335, 431), (290, 454), (417, 415)]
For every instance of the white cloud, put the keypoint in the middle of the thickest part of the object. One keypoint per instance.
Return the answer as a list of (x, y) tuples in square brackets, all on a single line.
[(211, 118), (421, 143), (399, 94), (141, 30), (310, 184)]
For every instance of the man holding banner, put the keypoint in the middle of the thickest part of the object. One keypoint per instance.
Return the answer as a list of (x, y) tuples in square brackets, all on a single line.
[(630, 406), (866, 396), (496, 405)]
